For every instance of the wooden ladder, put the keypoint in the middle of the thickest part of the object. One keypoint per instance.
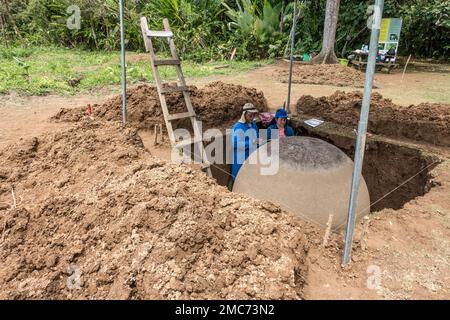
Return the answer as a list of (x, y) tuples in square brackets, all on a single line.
[(181, 87)]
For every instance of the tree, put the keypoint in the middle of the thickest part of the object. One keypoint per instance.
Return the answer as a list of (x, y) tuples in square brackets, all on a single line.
[(327, 54)]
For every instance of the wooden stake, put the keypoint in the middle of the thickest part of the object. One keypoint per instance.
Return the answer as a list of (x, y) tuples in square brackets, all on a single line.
[(364, 233), (327, 231), (14, 198), (233, 53), (406, 65), (161, 132), (155, 132)]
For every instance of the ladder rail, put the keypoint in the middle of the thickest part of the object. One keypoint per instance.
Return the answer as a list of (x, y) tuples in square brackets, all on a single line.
[(181, 79), (149, 48), (182, 87), (182, 82)]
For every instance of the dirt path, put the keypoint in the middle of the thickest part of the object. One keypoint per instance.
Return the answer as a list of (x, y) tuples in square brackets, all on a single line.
[(22, 116), (417, 87)]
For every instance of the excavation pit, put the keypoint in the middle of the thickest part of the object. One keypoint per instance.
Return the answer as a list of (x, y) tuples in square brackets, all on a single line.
[(395, 173)]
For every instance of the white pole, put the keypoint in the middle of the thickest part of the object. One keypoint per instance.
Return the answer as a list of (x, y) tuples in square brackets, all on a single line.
[(362, 129), (294, 23), (124, 67)]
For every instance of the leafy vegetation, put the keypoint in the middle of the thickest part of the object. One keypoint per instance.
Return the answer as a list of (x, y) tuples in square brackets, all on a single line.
[(420, 16), (198, 24), (210, 29), (258, 32)]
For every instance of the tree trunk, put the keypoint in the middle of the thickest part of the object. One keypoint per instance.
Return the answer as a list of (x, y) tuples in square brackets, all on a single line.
[(327, 54)]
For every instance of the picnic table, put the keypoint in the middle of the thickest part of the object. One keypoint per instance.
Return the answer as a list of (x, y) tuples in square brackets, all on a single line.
[(361, 57)]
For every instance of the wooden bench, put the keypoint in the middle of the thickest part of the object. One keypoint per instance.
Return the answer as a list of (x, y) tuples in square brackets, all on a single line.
[(360, 62)]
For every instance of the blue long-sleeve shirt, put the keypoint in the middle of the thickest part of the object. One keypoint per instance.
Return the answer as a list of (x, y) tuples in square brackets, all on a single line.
[(245, 137)]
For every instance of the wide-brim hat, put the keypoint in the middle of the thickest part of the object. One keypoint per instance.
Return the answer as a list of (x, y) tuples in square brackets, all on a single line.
[(249, 107)]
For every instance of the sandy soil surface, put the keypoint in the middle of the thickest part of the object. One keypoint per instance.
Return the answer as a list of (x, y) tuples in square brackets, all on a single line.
[(24, 116), (84, 200), (319, 74)]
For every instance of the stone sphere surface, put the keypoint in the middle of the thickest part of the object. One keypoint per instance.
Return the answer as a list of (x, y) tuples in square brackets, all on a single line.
[(312, 180)]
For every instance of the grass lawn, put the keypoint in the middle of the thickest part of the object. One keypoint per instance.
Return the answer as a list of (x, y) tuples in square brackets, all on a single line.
[(40, 71)]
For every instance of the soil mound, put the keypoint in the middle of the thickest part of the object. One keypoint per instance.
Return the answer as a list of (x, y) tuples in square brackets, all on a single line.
[(426, 122), (95, 216), (321, 74), (217, 105)]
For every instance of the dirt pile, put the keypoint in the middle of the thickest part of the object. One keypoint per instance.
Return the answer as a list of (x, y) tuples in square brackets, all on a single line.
[(95, 216), (321, 74), (426, 122), (217, 105)]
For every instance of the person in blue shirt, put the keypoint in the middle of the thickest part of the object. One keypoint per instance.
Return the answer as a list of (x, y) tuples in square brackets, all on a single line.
[(281, 126), (245, 137)]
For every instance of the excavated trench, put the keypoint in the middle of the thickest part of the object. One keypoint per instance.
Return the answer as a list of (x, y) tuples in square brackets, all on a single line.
[(395, 173)]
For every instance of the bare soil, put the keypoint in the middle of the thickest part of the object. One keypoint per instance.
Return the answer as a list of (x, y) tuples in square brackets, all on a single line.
[(320, 74), (426, 122), (409, 247), (89, 199), (413, 88), (217, 105), (28, 116)]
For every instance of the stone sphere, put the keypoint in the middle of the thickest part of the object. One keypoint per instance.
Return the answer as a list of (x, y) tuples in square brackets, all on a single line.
[(312, 180)]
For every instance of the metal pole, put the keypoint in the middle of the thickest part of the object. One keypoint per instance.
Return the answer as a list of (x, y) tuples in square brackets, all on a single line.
[(362, 128), (294, 23), (124, 67)]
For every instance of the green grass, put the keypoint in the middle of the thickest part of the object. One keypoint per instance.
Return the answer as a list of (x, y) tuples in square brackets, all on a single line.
[(437, 94), (40, 71)]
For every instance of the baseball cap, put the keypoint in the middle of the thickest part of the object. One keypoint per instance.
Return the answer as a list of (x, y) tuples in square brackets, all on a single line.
[(281, 113)]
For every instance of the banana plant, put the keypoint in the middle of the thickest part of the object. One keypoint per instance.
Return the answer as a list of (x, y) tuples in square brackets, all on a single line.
[(258, 28)]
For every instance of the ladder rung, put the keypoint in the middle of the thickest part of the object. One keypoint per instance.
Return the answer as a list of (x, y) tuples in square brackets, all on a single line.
[(187, 142), (174, 89), (171, 62), (159, 34), (206, 165), (182, 115)]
